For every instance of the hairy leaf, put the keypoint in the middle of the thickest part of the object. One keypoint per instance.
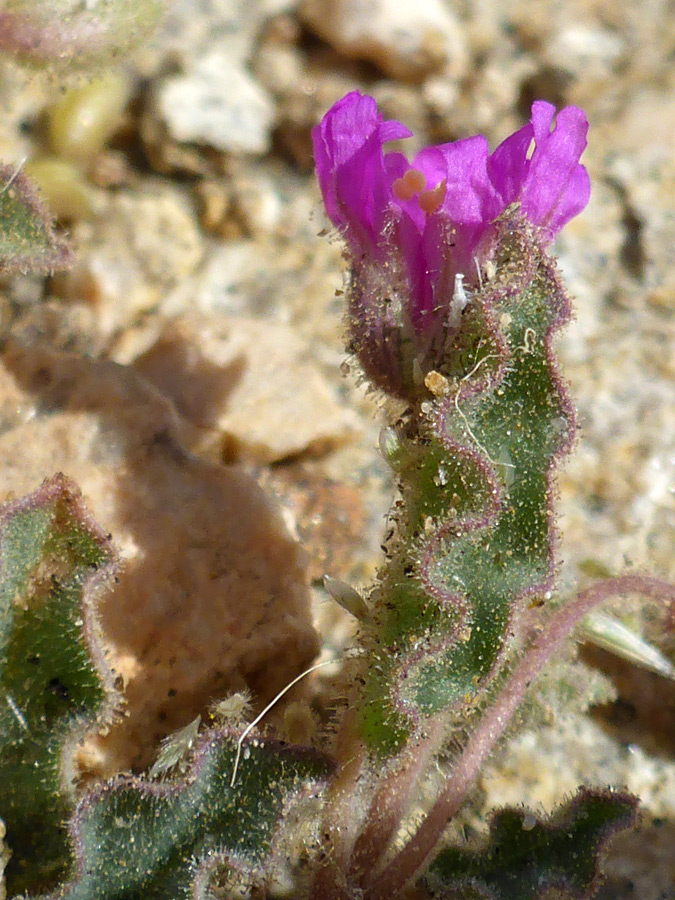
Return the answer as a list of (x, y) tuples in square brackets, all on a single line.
[(28, 242), (136, 838), (526, 857), (53, 680), (474, 538)]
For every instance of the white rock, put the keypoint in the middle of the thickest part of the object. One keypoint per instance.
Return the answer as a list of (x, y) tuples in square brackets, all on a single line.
[(191, 28), (219, 104), (406, 40), (576, 45)]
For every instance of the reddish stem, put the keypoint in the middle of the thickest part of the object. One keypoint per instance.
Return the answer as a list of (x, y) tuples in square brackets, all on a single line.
[(391, 802), (340, 820), (417, 851)]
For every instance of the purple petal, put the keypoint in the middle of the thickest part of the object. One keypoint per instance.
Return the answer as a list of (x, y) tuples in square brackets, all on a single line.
[(409, 239), (542, 115), (454, 232), (573, 201), (431, 237), (557, 186), (396, 165), (508, 165), (350, 167), (469, 196), (391, 130)]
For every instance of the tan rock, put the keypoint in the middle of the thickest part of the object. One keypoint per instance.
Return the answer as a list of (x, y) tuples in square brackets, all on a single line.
[(252, 385), (645, 169), (142, 243), (22, 96), (212, 595)]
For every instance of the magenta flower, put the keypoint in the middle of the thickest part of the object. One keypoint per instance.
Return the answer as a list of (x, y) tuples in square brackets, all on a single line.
[(433, 217)]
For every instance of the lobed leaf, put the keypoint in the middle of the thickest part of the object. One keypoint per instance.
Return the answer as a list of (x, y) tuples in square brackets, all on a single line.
[(54, 560), (475, 531), (136, 838), (525, 857)]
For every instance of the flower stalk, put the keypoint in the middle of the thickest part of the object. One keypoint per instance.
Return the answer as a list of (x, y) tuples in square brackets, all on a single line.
[(453, 306)]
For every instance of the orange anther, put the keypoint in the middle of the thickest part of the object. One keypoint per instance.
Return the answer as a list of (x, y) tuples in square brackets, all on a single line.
[(415, 179), (409, 184), (431, 200), (400, 190)]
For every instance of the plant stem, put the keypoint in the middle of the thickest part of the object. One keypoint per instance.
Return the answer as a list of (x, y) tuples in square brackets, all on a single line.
[(493, 724), (340, 819), (392, 800)]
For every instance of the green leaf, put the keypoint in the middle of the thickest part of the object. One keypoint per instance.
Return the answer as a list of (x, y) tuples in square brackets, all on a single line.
[(170, 840), (475, 529), (28, 242), (71, 35), (53, 682), (525, 857)]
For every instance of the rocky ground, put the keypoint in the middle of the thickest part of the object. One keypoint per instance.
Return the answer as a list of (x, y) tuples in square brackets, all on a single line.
[(187, 371)]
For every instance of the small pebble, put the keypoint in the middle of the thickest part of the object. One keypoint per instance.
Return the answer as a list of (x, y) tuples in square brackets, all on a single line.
[(84, 119), (62, 187)]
